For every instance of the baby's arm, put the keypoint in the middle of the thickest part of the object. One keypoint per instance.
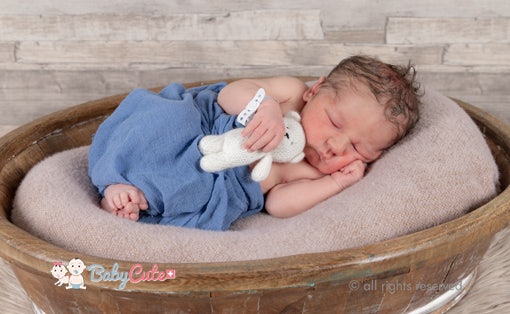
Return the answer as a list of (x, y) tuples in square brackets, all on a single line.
[(266, 130), (294, 197)]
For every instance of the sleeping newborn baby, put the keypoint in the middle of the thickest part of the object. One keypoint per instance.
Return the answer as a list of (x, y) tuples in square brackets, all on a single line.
[(145, 158)]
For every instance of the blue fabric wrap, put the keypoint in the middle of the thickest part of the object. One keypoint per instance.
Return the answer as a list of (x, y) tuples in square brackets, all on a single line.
[(151, 141)]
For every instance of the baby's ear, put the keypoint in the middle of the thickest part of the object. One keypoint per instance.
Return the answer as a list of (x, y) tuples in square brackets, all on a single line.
[(313, 88), (293, 115)]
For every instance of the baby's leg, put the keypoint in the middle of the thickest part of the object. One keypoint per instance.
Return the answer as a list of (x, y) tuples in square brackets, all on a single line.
[(124, 200)]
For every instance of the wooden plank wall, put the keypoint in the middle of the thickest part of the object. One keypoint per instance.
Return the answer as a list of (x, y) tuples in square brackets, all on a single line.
[(57, 53)]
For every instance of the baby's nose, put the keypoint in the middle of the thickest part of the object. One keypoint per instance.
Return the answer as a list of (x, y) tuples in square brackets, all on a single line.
[(326, 154), (337, 145)]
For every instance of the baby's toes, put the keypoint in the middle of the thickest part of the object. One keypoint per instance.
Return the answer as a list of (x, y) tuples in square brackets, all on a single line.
[(133, 216), (131, 211)]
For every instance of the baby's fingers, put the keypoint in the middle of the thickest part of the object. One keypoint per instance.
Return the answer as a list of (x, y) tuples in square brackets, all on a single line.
[(250, 128), (355, 168), (258, 139), (253, 133), (266, 143)]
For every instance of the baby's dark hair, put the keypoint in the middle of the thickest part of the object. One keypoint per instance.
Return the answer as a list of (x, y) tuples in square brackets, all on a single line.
[(393, 86)]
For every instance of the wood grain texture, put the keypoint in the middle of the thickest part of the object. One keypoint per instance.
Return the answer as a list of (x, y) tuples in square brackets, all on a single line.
[(7, 52), (336, 14), (415, 30), (122, 54), (236, 25), (54, 54), (493, 54)]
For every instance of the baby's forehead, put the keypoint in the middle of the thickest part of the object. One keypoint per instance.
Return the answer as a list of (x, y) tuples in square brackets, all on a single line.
[(360, 93), (353, 84)]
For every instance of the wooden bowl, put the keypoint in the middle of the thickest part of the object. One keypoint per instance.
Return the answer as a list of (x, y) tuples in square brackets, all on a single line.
[(425, 271)]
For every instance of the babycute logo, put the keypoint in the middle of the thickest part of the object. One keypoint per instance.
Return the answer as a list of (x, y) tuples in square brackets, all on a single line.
[(98, 273), (136, 274), (74, 279)]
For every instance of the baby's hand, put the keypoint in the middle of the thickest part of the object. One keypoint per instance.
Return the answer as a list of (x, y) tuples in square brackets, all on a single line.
[(266, 130), (349, 174)]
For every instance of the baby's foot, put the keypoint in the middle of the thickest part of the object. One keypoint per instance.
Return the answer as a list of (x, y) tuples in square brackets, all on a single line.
[(124, 201)]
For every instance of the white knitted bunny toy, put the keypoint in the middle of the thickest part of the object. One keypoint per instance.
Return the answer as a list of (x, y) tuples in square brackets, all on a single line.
[(226, 150)]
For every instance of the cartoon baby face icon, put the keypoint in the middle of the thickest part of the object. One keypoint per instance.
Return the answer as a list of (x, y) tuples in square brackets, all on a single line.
[(74, 278), (59, 271), (76, 268)]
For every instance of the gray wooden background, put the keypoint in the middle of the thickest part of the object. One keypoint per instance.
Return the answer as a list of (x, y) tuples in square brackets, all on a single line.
[(57, 53)]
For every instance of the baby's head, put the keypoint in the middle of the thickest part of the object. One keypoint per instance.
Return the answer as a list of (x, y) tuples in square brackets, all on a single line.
[(360, 109), (393, 86)]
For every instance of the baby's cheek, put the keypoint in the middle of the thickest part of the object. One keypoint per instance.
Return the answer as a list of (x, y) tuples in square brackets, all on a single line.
[(337, 164)]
